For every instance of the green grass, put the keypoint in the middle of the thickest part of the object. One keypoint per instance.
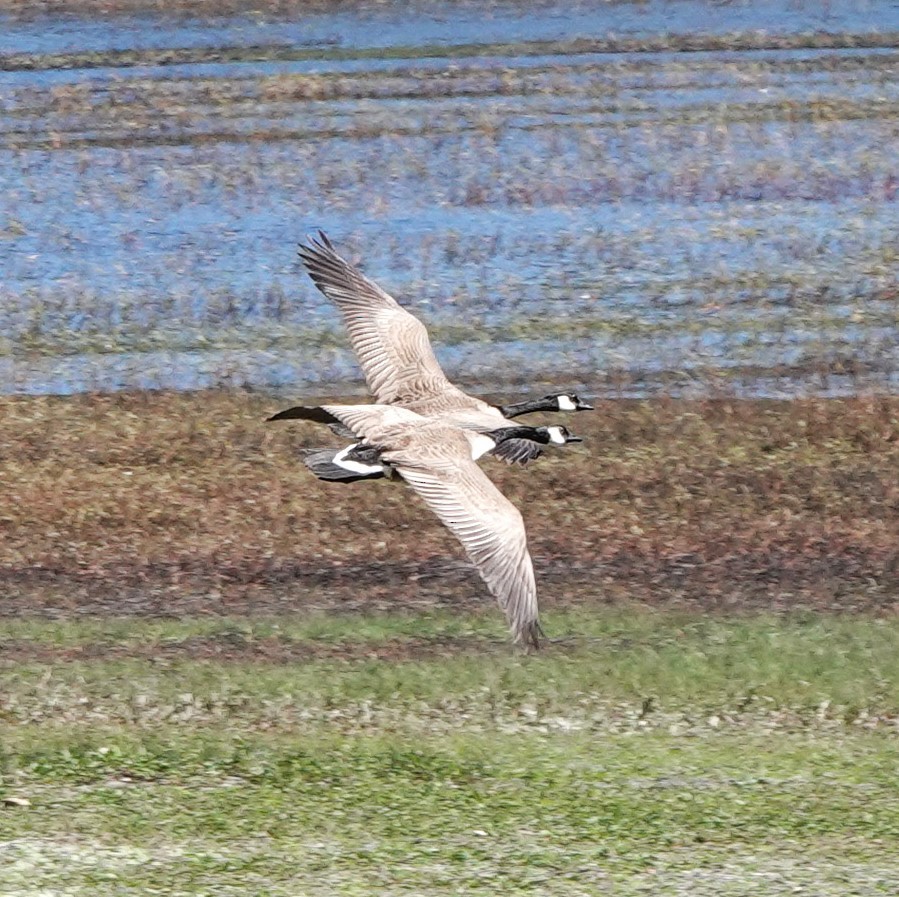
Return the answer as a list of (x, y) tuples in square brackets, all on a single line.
[(652, 752), (334, 815), (676, 659)]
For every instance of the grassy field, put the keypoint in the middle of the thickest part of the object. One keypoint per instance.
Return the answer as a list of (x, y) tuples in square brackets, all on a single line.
[(657, 752), (218, 676)]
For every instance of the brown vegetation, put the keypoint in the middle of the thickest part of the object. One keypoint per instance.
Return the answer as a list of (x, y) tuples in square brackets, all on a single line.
[(171, 503)]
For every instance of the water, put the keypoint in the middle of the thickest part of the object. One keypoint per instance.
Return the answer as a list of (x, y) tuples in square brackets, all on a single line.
[(434, 23), (628, 222)]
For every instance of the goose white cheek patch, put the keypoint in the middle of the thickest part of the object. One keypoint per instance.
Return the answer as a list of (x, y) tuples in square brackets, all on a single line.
[(565, 403), (556, 435)]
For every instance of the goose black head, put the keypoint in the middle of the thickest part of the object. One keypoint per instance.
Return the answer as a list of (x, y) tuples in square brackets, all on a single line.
[(568, 401), (543, 435), (560, 435)]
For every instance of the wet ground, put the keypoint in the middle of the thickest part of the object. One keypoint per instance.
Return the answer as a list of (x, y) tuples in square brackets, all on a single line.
[(640, 198)]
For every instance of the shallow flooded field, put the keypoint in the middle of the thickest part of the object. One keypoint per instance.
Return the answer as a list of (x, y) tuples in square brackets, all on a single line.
[(637, 198)]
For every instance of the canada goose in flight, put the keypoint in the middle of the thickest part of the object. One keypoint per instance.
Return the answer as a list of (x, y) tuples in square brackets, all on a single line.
[(437, 460), (362, 461), (399, 364)]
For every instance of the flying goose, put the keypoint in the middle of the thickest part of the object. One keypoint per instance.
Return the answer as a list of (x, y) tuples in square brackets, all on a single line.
[(362, 461), (398, 361), (437, 460)]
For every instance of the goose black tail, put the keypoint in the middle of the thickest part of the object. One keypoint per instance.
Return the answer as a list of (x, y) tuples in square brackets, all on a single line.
[(322, 463)]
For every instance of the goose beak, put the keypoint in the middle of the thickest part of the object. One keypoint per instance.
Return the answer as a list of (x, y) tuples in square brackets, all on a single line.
[(571, 438), (583, 406)]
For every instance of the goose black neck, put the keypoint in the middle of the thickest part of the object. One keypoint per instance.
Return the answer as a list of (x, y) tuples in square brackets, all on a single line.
[(534, 434), (517, 408)]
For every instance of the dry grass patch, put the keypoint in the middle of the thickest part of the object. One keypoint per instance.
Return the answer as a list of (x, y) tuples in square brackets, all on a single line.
[(143, 500)]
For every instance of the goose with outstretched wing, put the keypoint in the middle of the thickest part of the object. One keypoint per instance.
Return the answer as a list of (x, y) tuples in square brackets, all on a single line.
[(398, 360), (438, 460)]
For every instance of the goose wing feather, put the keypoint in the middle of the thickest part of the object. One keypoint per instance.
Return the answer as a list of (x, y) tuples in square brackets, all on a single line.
[(518, 451), (374, 422), (490, 529), (366, 421), (391, 344)]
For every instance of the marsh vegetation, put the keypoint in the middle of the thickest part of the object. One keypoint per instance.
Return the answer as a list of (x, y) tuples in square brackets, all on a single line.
[(669, 211)]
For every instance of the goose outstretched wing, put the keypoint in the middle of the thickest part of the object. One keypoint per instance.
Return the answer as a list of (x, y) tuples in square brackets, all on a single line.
[(369, 422), (391, 344), (490, 529)]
